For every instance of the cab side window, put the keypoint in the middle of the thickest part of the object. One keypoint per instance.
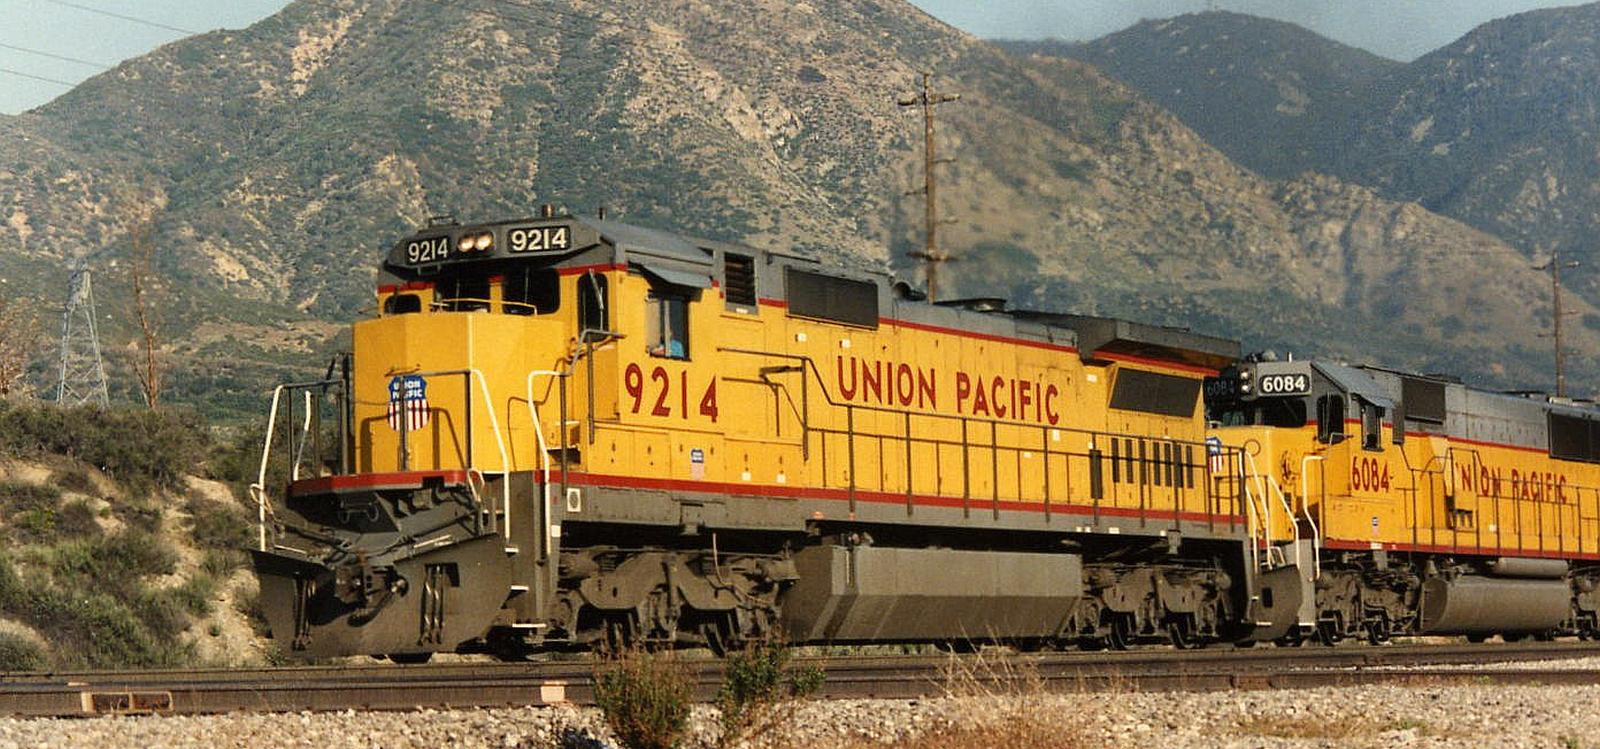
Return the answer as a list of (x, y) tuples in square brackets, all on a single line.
[(1330, 419), (667, 324), (1371, 426), (593, 303)]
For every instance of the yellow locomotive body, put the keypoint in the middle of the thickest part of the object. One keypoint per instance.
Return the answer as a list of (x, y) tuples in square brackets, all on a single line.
[(565, 429), (1418, 504)]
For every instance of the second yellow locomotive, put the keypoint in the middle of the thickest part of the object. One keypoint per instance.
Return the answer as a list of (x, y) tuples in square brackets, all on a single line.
[(1417, 504)]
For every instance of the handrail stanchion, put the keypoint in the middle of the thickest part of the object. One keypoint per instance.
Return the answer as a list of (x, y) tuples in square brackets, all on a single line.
[(1305, 508), (259, 488), (544, 457)]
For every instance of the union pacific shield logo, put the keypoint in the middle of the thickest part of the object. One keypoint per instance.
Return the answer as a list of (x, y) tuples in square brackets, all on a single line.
[(408, 403)]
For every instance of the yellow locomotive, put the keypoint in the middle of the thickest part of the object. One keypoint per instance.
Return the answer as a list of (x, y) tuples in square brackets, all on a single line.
[(560, 431), (1417, 504)]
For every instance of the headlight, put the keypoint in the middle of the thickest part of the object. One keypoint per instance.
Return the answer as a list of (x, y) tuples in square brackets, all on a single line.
[(483, 242), (464, 244)]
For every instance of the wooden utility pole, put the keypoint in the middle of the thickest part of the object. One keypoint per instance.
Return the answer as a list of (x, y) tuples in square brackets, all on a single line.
[(1555, 266), (930, 254)]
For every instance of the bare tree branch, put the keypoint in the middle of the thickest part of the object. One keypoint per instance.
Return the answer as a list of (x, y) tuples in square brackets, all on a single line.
[(148, 363)]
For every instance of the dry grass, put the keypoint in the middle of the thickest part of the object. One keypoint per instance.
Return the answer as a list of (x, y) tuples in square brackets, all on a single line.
[(1020, 729), (1005, 704), (1334, 727)]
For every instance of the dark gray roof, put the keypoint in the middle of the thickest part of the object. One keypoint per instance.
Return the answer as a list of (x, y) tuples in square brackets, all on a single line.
[(1356, 382)]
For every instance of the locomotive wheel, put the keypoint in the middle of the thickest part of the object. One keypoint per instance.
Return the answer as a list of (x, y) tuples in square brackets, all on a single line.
[(718, 634), (1330, 631), (1180, 629), (1377, 630), (1120, 633)]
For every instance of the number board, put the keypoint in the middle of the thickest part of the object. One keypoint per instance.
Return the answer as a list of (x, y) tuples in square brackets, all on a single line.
[(427, 250), (1221, 388), (1284, 384), (539, 238)]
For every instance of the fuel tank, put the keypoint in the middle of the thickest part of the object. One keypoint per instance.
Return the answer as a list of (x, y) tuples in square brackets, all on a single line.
[(1472, 605)]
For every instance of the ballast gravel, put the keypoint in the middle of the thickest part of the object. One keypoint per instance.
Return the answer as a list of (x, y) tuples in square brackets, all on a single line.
[(1479, 717)]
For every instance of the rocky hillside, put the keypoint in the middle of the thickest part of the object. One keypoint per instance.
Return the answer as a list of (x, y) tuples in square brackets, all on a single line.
[(276, 163), (1498, 129), (1269, 94)]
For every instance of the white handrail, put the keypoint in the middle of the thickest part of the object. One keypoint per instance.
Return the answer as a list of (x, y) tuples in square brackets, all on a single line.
[(1251, 519), (499, 441), (1262, 482), (259, 488), (300, 450), (1305, 504), (1260, 495), (544, 448)]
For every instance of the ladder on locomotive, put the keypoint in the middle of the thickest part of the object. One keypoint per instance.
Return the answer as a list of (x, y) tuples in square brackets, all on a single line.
[(1264, 497)]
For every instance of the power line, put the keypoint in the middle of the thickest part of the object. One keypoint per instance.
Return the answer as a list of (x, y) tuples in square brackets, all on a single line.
[(56, 56), (37, 77), (133, 19)]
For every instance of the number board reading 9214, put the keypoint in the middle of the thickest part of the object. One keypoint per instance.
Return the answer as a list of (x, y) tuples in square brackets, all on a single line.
[(430, 250), (539, 238)]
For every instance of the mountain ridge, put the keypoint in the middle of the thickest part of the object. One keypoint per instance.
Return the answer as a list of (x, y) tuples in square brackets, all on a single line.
[(1499, 129), (277, 163)]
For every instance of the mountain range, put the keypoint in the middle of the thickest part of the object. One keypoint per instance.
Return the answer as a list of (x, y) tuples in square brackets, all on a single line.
[(273, 166), (1500, 129)]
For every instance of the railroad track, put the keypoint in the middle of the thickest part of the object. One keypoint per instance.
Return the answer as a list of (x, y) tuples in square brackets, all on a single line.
[(468, 685)]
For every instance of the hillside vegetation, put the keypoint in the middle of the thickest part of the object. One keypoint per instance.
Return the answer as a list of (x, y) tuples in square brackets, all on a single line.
[(115, 556)]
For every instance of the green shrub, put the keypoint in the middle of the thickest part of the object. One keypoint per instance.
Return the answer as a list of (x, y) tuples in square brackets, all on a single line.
[(77, 520), (215, 525), (195, 594), (645, 699), (141, 449), (161, 611), (759, 690), (33, 526), (113, 564), (143, 517), (74, 479), (18, 652), (95, 630), (17, 497), (220, 563)]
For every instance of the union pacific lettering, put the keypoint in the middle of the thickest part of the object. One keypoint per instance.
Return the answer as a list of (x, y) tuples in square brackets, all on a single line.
[(886, 383), (1536, 486)]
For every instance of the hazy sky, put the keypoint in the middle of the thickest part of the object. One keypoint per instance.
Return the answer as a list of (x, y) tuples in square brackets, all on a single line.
[(97, 34)]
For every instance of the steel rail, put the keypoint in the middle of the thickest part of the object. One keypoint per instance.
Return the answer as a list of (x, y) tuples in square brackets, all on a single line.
[(478, 685)]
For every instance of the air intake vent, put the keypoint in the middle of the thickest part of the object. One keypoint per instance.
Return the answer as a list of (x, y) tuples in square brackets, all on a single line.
[(739, 279)]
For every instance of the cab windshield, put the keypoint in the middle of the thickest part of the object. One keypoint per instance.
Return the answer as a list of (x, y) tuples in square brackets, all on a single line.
[(1268, 412)]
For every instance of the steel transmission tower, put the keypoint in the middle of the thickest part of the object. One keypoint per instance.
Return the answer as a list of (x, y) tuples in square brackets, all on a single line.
[(83, 372)]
